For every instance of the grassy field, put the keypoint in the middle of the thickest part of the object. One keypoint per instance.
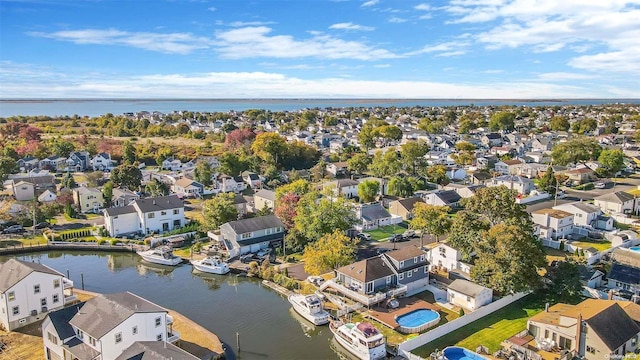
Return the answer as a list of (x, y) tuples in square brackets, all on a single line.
[(489, 331), (598, 245), (383, 233)]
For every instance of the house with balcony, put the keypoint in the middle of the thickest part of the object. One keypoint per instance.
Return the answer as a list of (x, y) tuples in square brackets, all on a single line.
[(88, 200), (553, 224), (521, 184), (110, 326), (56, 163), (28, 291), (251, 235), (444, 257), (145, 216), (226, 183)]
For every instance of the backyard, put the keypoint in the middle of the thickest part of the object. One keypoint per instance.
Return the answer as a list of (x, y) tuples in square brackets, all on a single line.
[(586, 243), (490, 330), (385, 232)]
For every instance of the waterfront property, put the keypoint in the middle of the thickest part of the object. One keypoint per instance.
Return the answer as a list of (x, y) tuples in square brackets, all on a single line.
[(28, 291), (106, 327), (251, 235), (158, 215)]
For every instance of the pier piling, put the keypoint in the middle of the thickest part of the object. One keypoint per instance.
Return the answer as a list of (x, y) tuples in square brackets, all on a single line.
[(82, 280)]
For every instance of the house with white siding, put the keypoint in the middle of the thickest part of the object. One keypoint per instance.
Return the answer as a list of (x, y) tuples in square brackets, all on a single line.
[(553, 224), (146, 216), (252, 234), (28, 291), (101, 162), (468, 295)]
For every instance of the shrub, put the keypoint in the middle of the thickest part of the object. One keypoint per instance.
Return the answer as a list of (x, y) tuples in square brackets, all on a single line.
[(561, 245), (102, 242), (114, 242), (461, 313)]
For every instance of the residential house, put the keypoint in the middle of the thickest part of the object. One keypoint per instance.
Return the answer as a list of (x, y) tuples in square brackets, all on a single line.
[(146, 216), (468, 295), (448, 198), (252, 234), (553, 224), (251, 179), (480, 177), (447, 258), (580, 175), (88, 200), (101, 162), (171, 164), (411, 268), (264, 198), (155, 349), (624, 277), (240, 203), (491, 139), (618, 202), (123, 197), (343, 187), (47, 196), (515, 182), (28, 163), (404, 207), (23, 190), (593, 329), (465, 191), (509, 167), (28, 291), (373, 216), (78, 161), (40, 182), (587, 215), (56, 163), (228, 183), (541, 145), (110, 326), (188, 188), (533, 170), (337, 169)]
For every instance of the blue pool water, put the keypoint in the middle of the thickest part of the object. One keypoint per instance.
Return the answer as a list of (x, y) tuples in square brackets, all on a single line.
[(459, 353), (635, 248), (417, 318)]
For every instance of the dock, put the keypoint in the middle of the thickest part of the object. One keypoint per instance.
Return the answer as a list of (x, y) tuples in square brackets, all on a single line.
[(280, 289)]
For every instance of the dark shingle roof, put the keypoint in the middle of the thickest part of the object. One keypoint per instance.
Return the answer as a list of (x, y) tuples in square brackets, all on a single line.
[(613, 326), (254, 224), (374, 212), (104, 312), (13, 270), (114, 211), (154, 350), (159, 203), (449, 196), (367, 270), (409, 203), (624, 273), (405, 253), (60, 320)]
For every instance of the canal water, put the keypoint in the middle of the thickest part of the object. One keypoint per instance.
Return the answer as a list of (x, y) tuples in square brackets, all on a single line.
[(225, 305)]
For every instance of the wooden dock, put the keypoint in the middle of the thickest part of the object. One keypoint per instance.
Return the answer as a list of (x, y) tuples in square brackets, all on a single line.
[(282, 290)]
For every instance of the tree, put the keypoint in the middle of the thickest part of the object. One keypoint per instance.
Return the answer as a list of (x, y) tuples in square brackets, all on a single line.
[(368, 190), (266, 210), (317, 216), (400, 186), (358, 163), (508, 259), (68, 181), (385, 164), (437, 174), (107, 193), (203, 173), (129, 152), (218, 210), (584, 126), (239, 138), (231, 164), (503, 120), (575, 151), (412, 155), (94, 178), (559, 123), (270, 147), (127, 176), (366, 137), (548, 182), (61, 147), (564, 282), (7, 166), (430, 219), (611, 161), (330, 252), (156, 188), (466, 153), (299, 187), (286, 208)]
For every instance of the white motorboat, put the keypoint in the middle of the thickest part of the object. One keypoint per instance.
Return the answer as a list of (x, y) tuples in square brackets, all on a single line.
[(212, 265), (162, 255), (310, 308), (361, 339)]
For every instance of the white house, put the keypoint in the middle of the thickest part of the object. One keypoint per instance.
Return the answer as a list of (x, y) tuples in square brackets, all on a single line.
[(343, 187), (106, 327), (448, 198), (553, 224), (468, 295), (518, 183), (28, 291), (101, 162), (445, 257), (373, 216), (616, 202), (252, 179), (252, 234), (188, 188), (588, 215), (23, 190), (337, 169), (171, 164), (157, 215), (47, 196), (228, 183)]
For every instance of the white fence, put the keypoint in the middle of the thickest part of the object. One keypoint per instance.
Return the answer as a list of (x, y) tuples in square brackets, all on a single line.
[(530, 199), (405, 348)]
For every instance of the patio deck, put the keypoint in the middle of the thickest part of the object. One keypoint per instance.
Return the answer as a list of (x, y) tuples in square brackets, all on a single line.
[(387, 316)]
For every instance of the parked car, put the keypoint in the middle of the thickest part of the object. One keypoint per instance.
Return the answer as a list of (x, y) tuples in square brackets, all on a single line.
[(599, 185), (561, 195), (245, 259), (364, 236), (397, 238), (315, 280), (408, 234), (382, 250), (14, 229), (42, 225), (7, 224)]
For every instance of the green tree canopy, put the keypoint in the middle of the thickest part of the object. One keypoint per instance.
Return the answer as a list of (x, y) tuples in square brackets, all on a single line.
[(437, 174), (156, 188), (218, 210), (385, 164), (68, 181), (564, 282), (401, 186), (127, 176), (107, 193), (559, 123), (430, 219), (575, 151), (330, 252), (548, 182), (368, 190), (317, 216), (611, 161), (203, 173), (504, 120), (358, 163), (299, 187), (412, 156)]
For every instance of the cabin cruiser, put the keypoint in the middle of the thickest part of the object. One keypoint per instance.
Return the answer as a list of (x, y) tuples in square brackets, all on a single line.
[(162, 255), (361, 339), (212, 265), (309, 307)]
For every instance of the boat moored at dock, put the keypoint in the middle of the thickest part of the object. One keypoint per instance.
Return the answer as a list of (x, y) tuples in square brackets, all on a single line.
[(361, 339), (162, 255), (211, 265), (309, 307)]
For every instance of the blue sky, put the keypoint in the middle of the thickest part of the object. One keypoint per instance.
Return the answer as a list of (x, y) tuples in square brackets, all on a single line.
[(320, 49)]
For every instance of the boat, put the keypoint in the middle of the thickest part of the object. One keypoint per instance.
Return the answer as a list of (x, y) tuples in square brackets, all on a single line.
[(310, 308), (162, 255), (212, 265), (361, 339)]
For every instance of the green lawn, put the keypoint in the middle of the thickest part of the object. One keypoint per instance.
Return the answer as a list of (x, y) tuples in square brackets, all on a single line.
[(598, 245), (383, 233), (489, 331)]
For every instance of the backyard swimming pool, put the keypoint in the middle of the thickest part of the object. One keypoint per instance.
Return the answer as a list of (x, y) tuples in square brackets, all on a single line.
[(635, 248), (459, 353), (417, 320)]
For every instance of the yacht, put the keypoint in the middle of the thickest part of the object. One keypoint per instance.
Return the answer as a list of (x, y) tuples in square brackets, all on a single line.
[(361, 339), (162, 255), (309, 307), (212, 265)]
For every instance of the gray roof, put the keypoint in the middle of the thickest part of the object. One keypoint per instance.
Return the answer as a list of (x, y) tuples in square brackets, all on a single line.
[(104, 312), (374, 212), (254, 224), (409, 203), (586, 207), (266, 194), (13, 270), (114, 211), (514, 178), (159, 203), (80, 350), (346, 182), (624, 273), (154, 350), (239, 199), (60, 320), (449, 196), (367, 270), (618, 197), (466, 287), (86, 190), (405, 253), (613, 326)]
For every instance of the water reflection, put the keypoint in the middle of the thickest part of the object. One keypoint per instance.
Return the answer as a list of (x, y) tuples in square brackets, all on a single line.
[(211, 280), (144, 268), (308, 328)]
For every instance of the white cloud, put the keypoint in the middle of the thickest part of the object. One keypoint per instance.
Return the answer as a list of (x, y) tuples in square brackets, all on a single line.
[(564, 76), (211, 8), (382, 66), (252, 42), (351, 26), (172, 43), (250, 23), (422, 7), (397, 20), (450, 48), (370, 3)]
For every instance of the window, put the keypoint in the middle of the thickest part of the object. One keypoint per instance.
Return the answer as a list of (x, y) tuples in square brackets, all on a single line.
[(163, 213), (546, 334), (80, 334), (158, 321), (118, 337), (92, 341), (443, 251), (52, 338), (426, 269), (11, 295), (468, 298), (16, 310), (415, 259), (400, 276), (36, 289), (421, 257), (56, 283), (246, 235), (388, 279), (43, 302), (159, 337), (401, 264), (591, 350), (151, 215), (134, 330), (409, 274), (176, 212), (56, 298)]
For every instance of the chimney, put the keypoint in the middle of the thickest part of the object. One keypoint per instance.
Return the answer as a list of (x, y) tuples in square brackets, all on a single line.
[(546, 307), (154, 201)]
